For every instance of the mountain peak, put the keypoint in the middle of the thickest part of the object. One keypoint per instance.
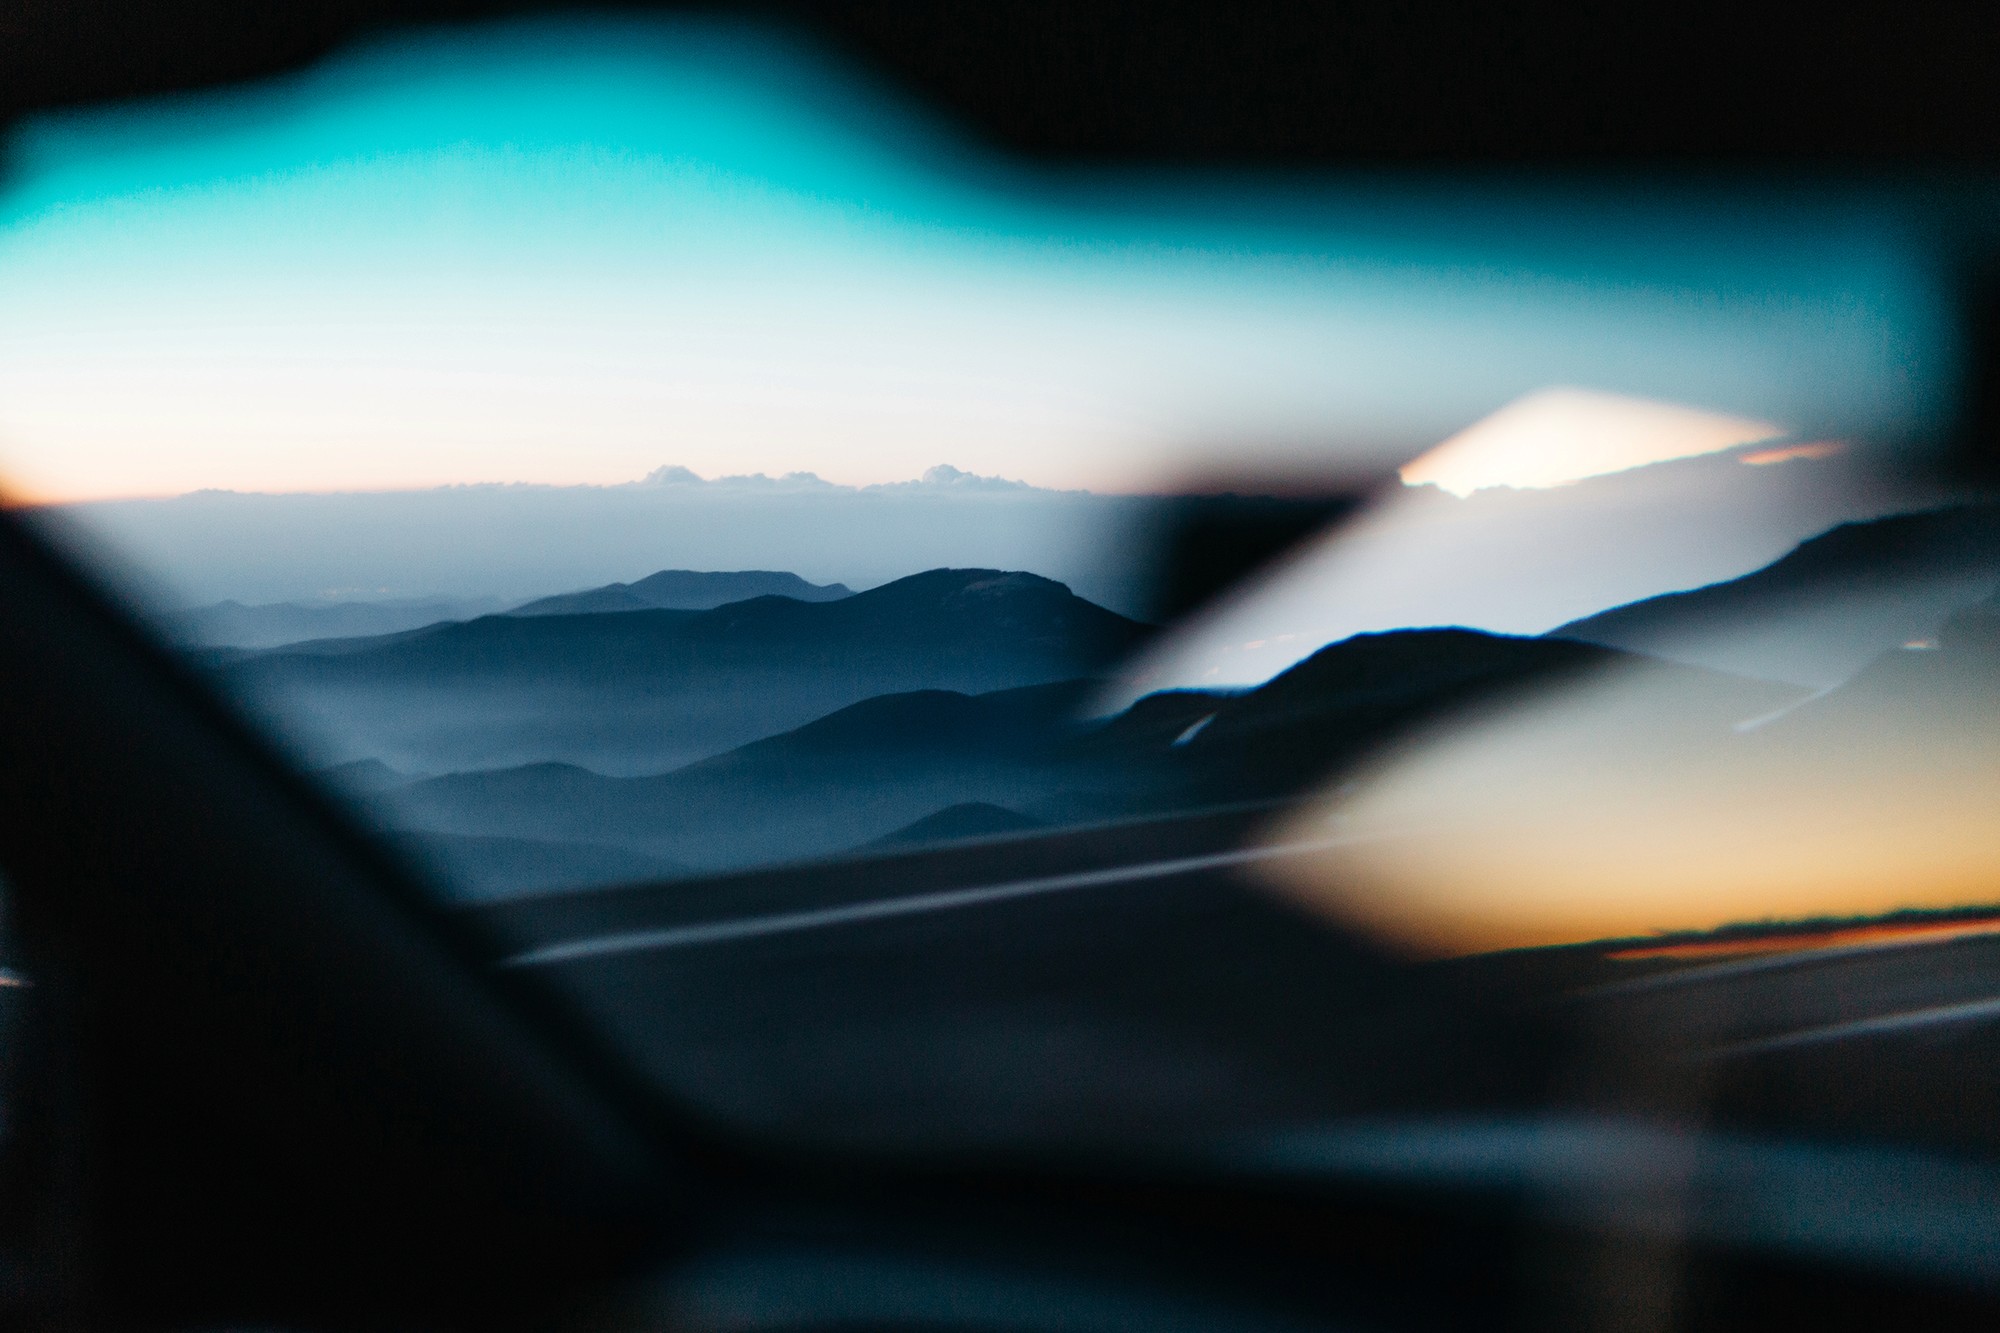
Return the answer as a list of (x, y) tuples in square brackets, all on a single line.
[(969, 586)]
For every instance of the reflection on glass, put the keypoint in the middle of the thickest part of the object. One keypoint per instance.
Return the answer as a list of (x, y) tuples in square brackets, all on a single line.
[(1554, 509), (1807, 754)]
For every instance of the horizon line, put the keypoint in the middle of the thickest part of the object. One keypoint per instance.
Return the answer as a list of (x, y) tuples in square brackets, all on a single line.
[(16, 495)]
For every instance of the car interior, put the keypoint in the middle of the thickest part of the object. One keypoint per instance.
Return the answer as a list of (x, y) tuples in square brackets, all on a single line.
[(1338, 880)]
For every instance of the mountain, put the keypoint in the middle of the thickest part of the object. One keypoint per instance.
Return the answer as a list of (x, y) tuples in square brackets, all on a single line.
[(858, 774), (684, 590), (932, 764), (651, 690), (234, 625), (1355, 694), (1517, 561), (1824, 610)]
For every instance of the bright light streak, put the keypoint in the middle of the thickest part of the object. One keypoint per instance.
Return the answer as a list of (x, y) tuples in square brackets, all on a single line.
[(1559, 436)]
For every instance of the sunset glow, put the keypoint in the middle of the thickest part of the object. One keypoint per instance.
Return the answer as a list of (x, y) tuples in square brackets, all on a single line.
[(1788, 452), (1779, 941), (1602, 811)]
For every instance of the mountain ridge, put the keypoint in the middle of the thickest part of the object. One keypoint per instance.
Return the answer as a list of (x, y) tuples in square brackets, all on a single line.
[(884, 766), (645, 691), (1820, 612)]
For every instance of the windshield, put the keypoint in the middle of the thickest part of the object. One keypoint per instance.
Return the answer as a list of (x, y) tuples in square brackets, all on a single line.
[(721, 529)]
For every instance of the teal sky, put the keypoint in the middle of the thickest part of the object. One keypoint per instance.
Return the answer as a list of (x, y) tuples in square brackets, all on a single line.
[(572, 253)]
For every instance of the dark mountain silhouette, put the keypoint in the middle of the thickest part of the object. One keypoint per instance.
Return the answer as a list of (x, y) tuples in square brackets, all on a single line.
[(647, 690), (684, 590), (1018, 724), (887, 767), (1353, 695), (234, 625), (969, 819), (1825, 609)]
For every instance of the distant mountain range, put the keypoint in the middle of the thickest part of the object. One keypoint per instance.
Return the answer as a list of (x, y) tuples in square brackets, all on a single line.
[(273, 624), (1827, 608), (589, 740), (650, 690), (684, 590), (510, 541), (860, 773), (276, 624), (931, 764)]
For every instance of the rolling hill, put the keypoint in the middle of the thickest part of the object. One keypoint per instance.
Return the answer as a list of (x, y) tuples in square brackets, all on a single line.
[(860, 773)]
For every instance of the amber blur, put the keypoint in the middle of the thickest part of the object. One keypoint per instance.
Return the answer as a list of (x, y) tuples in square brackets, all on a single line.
[(1652, 799)]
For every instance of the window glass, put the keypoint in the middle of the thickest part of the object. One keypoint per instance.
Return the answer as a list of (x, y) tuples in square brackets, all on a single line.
[(618, 451), (718, 523)]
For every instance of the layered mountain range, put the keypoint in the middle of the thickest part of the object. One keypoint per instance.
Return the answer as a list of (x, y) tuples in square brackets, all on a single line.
[(587, 740), (648, 690), (232, 624), (274, 624), (930, 764)]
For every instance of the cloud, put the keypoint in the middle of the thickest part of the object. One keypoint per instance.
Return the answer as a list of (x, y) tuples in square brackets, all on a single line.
[(675, 475), (943, 477)]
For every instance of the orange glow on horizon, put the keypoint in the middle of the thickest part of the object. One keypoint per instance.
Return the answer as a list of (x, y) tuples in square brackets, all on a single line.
[(1786, 453), (15, 496), (1808, 941), (1626, 806)]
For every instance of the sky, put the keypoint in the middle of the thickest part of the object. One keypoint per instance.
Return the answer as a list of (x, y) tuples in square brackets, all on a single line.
[(518, 541), (571, 253)]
